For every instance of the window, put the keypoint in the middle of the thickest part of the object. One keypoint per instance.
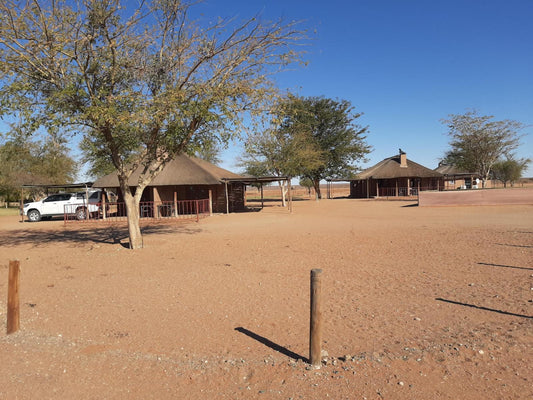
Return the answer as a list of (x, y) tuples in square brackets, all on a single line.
[(54, 197)]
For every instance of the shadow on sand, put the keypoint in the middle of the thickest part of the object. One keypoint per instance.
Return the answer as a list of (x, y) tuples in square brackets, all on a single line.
[(110, 234), (505, 266), (272, 345), (483, 308)]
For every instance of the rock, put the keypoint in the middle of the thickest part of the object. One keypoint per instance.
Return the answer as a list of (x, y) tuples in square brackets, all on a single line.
[(346, 357)]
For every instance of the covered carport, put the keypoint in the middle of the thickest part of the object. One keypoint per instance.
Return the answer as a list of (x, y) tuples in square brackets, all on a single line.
[(51, 189), (252, 180)]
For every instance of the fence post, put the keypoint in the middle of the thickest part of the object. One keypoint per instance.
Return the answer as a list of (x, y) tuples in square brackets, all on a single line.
[(104, 205), (197, 213), (315, 331), (13, 305), (210, 203)]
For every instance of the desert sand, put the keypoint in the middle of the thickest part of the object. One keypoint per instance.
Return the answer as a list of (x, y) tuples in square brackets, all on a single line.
[(418, 303)]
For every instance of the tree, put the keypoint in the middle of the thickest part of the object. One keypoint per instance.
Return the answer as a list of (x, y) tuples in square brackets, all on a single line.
[(509, 170), (16, 165), (141, 86), (210, 152), (329, 125), (477, 142), (40, 163), (276, 152), (307, 183)]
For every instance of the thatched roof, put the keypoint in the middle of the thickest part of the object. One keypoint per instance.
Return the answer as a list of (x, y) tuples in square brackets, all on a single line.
[(452, 170), (390, 168), (183, 170)]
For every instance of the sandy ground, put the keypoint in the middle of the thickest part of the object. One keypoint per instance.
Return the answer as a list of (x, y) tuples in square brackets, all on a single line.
[(419, 303)]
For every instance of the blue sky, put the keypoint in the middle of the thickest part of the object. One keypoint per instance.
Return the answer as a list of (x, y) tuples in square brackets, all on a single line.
[(407, 64)]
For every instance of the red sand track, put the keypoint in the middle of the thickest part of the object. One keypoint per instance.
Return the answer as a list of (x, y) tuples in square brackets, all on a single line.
[(419, 303)]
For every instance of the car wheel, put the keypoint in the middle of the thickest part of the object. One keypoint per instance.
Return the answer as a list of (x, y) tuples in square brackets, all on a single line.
[(81, 213), (34, 216)]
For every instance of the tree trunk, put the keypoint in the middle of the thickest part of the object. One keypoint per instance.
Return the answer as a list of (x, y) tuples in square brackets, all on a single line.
[(132, 209), (283, 189), (316, 185)]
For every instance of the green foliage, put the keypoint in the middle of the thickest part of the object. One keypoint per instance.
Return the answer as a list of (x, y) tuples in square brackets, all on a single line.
[(330, 127), (209, 151), (477, 142), (509, 170), (277, 153), (32, 162), (313, 137), (307, 183)]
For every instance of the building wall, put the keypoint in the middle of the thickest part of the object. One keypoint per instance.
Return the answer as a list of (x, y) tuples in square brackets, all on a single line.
[(393, 187), (198, 192)]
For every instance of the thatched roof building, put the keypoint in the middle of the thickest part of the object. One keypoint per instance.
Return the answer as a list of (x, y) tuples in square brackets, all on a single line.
[(183, 170), (455, 178), (189, 178), (394, 176)]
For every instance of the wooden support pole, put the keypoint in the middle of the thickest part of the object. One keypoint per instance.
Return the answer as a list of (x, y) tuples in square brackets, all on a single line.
[(227, 197), (315, 331), (104, 206), (197, 211), (210, 203), (290, 196), (13, 304), (176, 204), (21, 204)]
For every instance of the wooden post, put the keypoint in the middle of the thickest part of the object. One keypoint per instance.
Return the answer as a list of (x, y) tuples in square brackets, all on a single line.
[(262, 200), (290, 196), (315, 331), (211, 203), (197, 212), (104, 211), (21, 204), (175, 204), (13, 305), (227, 197)]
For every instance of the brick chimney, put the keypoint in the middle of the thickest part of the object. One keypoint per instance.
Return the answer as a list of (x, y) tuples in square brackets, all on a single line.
[(403, 159)]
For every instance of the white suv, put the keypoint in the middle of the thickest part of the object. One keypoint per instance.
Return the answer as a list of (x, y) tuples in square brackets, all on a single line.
[(64, 204)]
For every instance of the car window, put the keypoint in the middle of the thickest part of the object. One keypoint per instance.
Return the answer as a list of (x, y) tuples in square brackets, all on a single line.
[(54, 197), (80, 196), (94, 196)]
